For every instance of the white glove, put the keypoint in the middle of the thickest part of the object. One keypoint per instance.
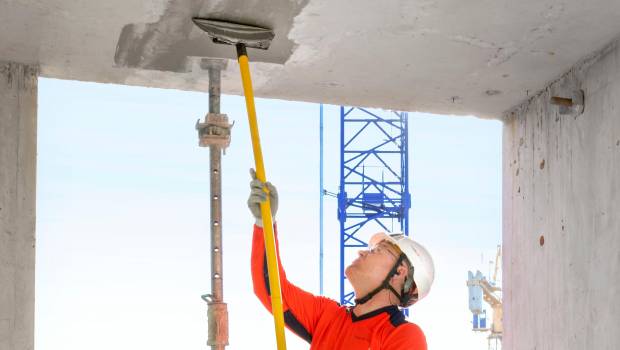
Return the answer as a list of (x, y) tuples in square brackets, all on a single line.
[(258, 195)]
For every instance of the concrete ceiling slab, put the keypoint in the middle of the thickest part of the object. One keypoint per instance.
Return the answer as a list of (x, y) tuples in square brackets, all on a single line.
[(452, 56)]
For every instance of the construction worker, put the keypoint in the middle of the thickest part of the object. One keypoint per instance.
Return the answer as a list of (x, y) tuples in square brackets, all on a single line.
[(395, 271)]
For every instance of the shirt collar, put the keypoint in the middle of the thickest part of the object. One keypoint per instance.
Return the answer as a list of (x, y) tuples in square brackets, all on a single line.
[(390, 310)]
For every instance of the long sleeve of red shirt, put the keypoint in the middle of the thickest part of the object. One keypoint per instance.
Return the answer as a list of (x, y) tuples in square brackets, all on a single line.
[(323, 322)]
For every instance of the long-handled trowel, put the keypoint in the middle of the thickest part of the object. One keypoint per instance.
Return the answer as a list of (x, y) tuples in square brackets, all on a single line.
[(243, 36)]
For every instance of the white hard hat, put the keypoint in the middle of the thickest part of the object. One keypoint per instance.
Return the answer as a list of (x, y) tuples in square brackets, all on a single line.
[(423, 267)]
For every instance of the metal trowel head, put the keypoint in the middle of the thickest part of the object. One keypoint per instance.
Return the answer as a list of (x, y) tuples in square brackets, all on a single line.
[(223, 32)]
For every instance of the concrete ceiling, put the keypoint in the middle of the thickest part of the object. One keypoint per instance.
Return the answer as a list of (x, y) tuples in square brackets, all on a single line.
[(477, 57)]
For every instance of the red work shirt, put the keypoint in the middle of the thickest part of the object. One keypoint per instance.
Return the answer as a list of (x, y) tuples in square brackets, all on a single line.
[(324, 323)]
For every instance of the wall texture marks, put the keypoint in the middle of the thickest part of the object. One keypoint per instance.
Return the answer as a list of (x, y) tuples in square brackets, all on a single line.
[(561, 214)]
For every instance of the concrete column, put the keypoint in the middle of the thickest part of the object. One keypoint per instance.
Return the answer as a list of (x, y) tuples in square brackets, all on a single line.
[(18, 150), (562, 214)]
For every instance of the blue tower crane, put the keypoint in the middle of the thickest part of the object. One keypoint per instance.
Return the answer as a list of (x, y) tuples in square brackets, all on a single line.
[(374, 181)]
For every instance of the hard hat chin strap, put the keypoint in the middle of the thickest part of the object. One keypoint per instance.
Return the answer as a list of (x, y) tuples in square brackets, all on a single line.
[(385, 284)]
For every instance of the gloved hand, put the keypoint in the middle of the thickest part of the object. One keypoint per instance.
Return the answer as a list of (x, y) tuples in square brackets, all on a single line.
[(257, 195)]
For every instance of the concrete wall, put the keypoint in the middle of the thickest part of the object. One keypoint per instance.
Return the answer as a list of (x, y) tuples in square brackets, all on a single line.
[(18, 120), (562, 182)]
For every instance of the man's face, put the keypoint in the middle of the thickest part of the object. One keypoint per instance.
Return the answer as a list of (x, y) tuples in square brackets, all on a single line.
[(371, 267)]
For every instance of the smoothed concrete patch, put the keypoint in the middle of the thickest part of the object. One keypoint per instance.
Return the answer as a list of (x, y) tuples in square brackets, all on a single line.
[(173, 43)]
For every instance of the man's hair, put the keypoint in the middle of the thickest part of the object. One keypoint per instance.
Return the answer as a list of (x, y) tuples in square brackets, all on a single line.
[(409, 284)]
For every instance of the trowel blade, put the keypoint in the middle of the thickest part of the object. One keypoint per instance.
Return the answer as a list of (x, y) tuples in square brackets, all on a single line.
[(223, 32)]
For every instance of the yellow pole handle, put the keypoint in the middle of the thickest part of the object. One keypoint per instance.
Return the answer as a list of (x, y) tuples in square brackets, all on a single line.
[(265, 207)]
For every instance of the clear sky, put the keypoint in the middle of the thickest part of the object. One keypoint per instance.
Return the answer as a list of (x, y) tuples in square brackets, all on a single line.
[(123, 216)]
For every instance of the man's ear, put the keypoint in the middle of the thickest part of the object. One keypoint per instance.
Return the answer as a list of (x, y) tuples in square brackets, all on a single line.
[(402, 270)]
